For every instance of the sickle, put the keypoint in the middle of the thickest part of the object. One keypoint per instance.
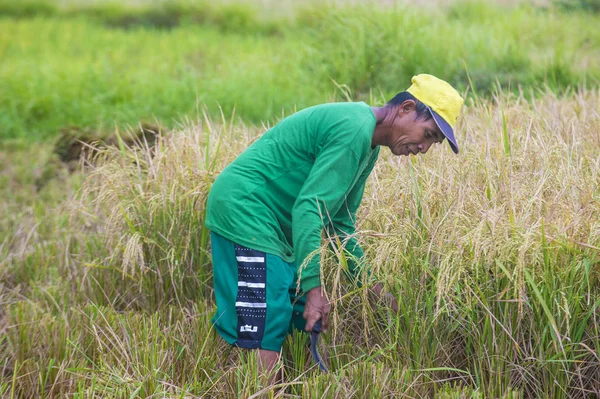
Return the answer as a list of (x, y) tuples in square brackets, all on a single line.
[(314, 350)]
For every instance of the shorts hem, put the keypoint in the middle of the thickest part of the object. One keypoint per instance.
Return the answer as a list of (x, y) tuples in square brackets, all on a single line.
[(271, 348), (250, 344)]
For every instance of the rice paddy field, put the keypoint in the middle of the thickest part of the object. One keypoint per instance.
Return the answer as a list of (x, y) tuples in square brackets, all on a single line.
[(115, 118)]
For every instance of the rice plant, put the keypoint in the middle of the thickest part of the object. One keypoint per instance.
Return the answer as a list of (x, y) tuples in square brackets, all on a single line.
[(492, 256)]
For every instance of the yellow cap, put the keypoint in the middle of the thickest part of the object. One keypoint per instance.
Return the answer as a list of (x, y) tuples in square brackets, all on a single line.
[(443, 101)]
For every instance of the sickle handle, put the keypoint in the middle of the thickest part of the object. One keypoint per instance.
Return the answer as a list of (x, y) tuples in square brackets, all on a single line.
[(317, 327)]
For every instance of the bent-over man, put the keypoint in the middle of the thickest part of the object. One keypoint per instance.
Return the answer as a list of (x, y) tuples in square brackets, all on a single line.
[(267, 209)]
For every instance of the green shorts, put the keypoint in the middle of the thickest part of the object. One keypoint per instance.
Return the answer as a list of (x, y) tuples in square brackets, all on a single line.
[(257, 302)]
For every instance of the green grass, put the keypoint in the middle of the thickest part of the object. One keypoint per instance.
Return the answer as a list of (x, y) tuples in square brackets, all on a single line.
[(106, 65)]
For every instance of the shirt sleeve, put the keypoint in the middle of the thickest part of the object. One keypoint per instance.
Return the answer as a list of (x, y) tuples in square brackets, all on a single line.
[(343, 226), (321, 196)]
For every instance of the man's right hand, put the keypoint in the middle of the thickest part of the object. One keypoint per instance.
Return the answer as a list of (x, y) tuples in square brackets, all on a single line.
[(316, 308)]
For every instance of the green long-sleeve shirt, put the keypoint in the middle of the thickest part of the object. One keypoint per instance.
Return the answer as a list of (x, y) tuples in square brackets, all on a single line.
[(305, 174)]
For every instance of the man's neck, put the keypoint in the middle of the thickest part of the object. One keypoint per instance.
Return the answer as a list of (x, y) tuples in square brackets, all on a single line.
[(381, 128)]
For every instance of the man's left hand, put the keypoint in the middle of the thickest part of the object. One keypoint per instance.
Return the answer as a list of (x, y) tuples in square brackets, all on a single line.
[(386, 297)]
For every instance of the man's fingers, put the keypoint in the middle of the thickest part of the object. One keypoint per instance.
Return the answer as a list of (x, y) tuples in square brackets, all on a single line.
[(311, 319), (325, 323), (325, 319), (316, 308), (309, 325), (394, 305)]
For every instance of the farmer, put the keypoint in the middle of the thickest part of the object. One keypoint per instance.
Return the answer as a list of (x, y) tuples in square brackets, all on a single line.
[(268, 209)]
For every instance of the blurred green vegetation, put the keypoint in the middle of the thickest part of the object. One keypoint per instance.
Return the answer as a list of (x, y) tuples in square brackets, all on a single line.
[(107, 65), (579, 5), (101, 65)]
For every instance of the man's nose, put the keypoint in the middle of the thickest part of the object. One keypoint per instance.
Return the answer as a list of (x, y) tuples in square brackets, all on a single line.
[(423, 148)]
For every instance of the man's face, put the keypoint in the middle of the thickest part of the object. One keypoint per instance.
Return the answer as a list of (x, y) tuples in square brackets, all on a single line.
[(410, 135)]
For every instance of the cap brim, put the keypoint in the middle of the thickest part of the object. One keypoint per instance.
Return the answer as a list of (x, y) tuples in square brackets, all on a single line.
[(446, 130)]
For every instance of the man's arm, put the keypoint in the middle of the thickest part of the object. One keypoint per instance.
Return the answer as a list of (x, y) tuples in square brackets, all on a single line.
[(322, 194), (342, 227)]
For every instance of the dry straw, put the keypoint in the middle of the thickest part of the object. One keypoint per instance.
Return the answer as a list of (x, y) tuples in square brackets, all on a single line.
[(486, 252)]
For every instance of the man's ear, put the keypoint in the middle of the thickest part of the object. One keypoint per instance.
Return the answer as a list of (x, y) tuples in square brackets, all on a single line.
[(408, 106)]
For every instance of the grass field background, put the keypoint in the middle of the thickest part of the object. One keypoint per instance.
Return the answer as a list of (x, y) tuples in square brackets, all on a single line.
[(493, 255), (102, 65)]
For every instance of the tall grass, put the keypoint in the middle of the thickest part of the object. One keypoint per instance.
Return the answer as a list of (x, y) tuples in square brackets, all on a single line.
[(159, 260), (493, 256)]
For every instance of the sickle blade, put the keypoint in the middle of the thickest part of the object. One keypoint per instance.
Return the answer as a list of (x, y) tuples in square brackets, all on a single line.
[(314, 346)]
